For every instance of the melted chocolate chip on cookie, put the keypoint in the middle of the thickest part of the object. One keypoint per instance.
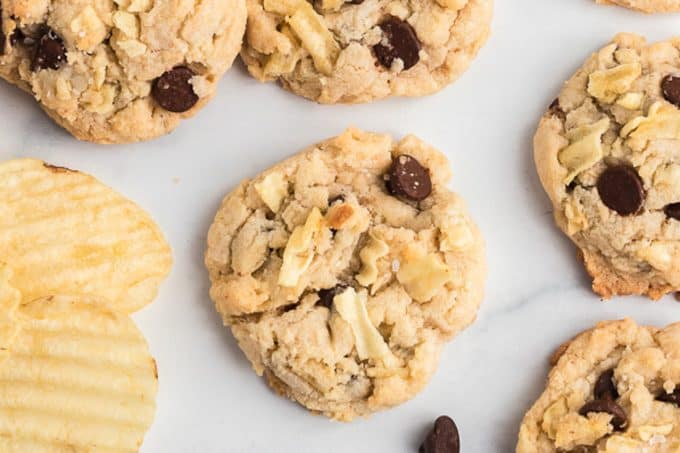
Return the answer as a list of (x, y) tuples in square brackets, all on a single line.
[(673, 398), (621, 190), (50, 52), (670, 87), (443, 438), (605, 388), (619, 417), (326, 296), (672, 211), (407, 178), (173, 90), (400, 42)]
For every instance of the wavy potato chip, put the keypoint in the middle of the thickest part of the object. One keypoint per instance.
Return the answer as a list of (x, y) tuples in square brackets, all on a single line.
[(78, 378), (64, 232)]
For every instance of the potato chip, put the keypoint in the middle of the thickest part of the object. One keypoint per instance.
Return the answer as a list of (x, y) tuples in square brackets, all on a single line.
[(78, 378), (9, 301), (63, 232)]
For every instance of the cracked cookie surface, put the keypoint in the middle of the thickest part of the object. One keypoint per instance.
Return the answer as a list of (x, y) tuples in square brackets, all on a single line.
[(119, 71), (336, 51), (343, 270), (647, 6), (608, 155), (612, 389)]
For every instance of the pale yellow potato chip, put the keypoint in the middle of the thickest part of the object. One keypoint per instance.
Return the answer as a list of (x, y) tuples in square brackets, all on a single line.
[(79, 378), (10, 298), (64, 232)]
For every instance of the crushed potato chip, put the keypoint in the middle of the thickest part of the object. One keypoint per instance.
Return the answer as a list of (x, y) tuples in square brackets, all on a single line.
[(584, 150), (272, 190), (63, 232), (299, 251), (78, 378), (10, 298), (662, 122), (423, 275), (607, 84), (369, 343), (375, 249)]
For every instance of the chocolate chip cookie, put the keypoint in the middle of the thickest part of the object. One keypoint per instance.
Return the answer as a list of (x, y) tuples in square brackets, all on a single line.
[(348, 51), (343, 271), (608, 155), (615, 388), (647, 6), (123, 71)]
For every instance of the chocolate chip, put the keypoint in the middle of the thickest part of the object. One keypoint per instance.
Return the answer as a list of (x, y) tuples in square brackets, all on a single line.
[(173, 90), (400, 42), (583, 449), (338, 198), (326, 296), (670, 87), (356, 2), (18, 37), (3, 38), (621, 189), (673, 211), (407, 178), (605, 388), (443, 438), (50, 52), (555, 109), (619, 417), (673, 398)]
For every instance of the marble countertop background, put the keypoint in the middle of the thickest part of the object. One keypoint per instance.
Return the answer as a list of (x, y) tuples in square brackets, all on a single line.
[(537, 294)]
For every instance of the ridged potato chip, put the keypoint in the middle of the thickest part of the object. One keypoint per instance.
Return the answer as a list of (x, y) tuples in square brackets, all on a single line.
[(78, 378), (64, 232)]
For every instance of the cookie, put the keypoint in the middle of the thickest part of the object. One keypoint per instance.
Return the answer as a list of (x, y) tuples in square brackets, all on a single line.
[(647, 6), (615, 388), (343, 271), (607, 154), (123, 71), (337, 51)]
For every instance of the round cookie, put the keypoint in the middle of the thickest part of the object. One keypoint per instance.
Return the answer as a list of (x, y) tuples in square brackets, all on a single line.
[(336, 51), (647, 6), (612, 389), (123, 71), (343, 270), (608, 155)]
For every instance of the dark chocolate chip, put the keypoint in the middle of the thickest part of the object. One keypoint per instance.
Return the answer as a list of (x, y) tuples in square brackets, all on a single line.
[(400, 42), (621, 189), (670, 87), (673, 211), (338, 198), (3, 38), (619, 417), (605, 388), (356, 2), (18, 37), (173, 90), (327, 295), (50, 52), (407, 178), (443, 438), (583, 449), (673, 398)]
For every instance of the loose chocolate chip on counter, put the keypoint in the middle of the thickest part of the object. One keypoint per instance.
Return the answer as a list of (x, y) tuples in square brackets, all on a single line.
[(673, 398), (621, 189), (400, 42), (619, 417), (407, 178), (443, 438), (50, 52), (670, 87), (605, 388), (326, 296), (673, 211), (173, 90)]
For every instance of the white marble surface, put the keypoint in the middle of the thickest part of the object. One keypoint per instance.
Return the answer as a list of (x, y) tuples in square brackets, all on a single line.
[(537, 295)]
